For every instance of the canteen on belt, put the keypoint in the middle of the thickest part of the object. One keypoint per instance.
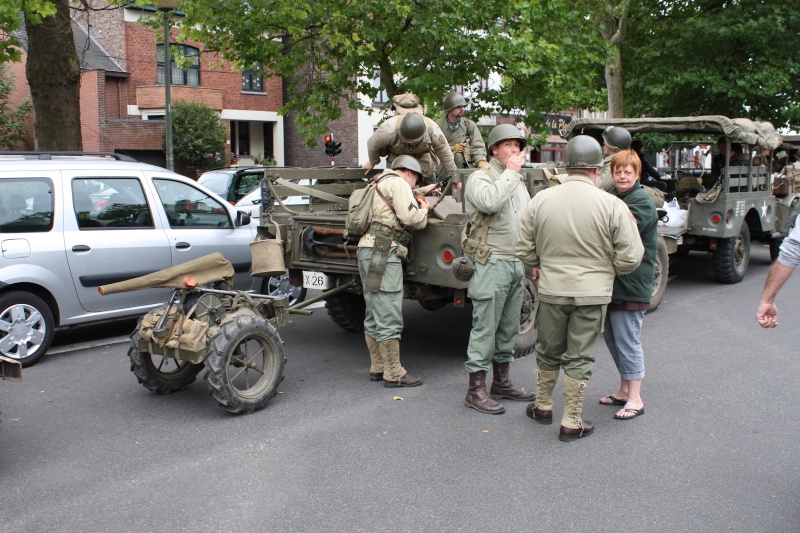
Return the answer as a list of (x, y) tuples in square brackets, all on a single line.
[(463, 268)]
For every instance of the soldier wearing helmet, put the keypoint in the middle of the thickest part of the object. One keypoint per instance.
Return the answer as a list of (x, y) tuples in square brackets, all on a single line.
[(395, 212), (462, 134), (494, 197), (411, 134), (614, 140), (576, 238)]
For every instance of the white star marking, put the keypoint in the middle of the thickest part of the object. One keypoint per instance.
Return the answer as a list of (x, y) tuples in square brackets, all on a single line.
[(764, 210)]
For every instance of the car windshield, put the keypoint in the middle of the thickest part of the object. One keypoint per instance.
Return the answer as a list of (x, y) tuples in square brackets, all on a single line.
[(218, 182)]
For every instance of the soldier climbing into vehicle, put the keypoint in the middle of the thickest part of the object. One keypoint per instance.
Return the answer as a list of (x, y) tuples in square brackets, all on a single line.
[(412, 134)]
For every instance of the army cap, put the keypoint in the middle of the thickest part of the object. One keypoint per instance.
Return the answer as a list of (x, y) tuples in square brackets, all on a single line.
[(408, 162), (617, 138), (502, 132), (412, 128), (583, 151), (453, 100)]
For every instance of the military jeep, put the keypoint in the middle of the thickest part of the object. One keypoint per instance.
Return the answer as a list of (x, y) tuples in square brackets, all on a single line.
[(320, 256), (740, 206)]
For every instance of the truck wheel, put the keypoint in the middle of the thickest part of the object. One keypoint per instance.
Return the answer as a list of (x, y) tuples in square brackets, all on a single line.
[(434, 305), (732, 257), (280, 286), (661, 275), (162, 375), (29, 327), (526, 338), (347, 310), (245, 364)]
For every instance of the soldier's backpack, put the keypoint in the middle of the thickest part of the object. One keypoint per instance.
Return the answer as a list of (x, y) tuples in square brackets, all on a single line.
[(359, 214)]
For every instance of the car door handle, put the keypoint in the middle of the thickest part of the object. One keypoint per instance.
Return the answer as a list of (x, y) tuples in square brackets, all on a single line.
[(81, 248), (182, 245)]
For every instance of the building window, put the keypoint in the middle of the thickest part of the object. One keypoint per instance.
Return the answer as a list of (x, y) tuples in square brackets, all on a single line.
[(190, 76), (382, 97), (253, 81)]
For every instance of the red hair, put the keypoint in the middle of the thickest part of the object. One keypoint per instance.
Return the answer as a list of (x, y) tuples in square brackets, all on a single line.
[(625, 158)]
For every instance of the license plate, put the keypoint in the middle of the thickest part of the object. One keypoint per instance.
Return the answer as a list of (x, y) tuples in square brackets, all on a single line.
[(316, 280)]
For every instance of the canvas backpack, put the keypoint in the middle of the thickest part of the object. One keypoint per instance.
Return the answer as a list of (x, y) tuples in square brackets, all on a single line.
[(359, 214)]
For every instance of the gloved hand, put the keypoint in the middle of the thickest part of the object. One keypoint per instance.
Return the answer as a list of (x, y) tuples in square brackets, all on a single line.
[(458, 147), (482, 163)]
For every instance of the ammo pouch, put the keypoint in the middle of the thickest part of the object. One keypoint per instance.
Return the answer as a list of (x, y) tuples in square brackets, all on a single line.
[(476, 248), (384, 236)]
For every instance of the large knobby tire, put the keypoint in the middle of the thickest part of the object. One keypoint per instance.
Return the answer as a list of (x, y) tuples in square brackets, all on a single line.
[(245, 364), (732, 257), (661, 275), (26, 327), (434, 305), (526, 338), (163, 375), (280, 286), (347, 310)]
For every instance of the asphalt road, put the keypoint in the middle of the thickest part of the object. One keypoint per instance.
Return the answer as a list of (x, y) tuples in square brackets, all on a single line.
[(83, 447)]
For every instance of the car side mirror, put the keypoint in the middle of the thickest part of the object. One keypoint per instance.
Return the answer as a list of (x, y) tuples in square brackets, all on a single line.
[(242, 219)]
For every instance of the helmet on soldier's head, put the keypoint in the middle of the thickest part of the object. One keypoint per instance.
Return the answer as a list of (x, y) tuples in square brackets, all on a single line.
[(412, 127), (409, 163), (452, 100), (617, 138), (503, 132), (583, 152)]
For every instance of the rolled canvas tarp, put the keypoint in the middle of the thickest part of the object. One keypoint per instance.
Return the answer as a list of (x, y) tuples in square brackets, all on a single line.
[(206, 269)]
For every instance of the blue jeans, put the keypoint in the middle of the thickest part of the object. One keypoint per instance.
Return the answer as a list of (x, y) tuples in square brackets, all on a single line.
[(621, 333)]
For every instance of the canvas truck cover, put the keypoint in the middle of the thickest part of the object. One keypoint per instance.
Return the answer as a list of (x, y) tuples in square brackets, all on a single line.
[(742, 130)]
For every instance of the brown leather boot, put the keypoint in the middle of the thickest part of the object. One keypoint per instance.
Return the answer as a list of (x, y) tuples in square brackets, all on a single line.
[(503, 388), (540, 415), (478, 398), (573, 426)]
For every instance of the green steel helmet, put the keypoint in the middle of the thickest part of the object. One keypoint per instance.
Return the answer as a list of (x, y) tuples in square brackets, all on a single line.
[(617, 138), (503, 132), (412, 127), (453, 100), (407, 162), (583, 152)]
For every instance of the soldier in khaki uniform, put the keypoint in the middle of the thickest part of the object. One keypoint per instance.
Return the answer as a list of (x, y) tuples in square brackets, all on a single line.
[(462, 134), (495, 195), (577, 238), (411, 134), (614, 140), (395, 212)]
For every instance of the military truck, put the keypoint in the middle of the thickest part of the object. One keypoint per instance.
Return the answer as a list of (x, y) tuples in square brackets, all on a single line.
[(741, 206), (319, 256)]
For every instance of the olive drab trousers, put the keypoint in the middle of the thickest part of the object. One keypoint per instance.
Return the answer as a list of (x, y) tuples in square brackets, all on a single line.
[(383, 319), (567, 334), (496, 290)]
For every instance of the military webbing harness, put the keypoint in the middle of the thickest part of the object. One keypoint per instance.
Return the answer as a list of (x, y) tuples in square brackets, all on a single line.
[(477, 249), (384, 236)]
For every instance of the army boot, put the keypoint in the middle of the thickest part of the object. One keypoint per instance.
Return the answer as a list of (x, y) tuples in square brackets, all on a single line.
[(503, 388), (394, 375), (478, 398), (376, 359), (573, 426), (541, 409)]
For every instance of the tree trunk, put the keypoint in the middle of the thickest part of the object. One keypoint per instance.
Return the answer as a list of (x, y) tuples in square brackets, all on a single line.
[(616, 107), (54, 76)]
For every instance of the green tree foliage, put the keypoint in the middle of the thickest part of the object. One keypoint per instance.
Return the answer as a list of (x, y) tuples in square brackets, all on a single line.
[(331, 51), (198, 136), (11, 19), (12, 126), (736, 58)]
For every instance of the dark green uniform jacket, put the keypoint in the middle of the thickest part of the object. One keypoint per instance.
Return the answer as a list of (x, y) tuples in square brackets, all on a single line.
[(638, 285)]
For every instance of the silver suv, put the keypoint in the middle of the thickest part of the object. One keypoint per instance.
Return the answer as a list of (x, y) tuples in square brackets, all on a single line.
[(72, 222)]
